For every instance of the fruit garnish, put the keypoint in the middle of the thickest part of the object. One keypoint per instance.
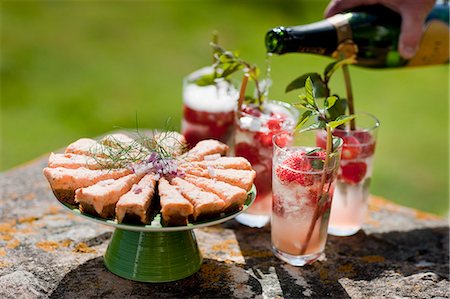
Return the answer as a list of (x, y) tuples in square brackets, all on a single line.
[(298, 161), (283, 139), (367, 143), (353, 172), (289, 175), (300, 168), (265, 138), (351, 148), (274, 124)]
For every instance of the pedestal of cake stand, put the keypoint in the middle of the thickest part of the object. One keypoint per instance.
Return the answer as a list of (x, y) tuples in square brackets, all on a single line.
[(155, 253), (153, 256)]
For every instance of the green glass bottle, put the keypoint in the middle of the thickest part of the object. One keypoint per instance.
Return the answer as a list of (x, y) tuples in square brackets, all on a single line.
[(371, 33)]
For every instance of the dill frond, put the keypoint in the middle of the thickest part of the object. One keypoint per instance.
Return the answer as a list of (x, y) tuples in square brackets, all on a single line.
[(157, 152)]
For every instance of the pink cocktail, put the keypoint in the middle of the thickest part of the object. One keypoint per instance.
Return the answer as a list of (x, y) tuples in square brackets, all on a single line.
[(303, 183), (208, 110), (254, 131), (351, 194)]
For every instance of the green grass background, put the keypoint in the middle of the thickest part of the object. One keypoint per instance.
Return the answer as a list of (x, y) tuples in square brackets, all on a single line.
[(72, 69)]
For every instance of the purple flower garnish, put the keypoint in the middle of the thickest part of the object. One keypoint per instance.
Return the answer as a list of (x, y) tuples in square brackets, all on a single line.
[(157, 165)]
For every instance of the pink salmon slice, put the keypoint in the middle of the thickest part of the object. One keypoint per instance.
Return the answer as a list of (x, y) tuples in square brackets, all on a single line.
[(240, 178), (102, 197), (233, 197), (64, 181), (175, 208), (136, 202), (221, 163), (75, 161), (205, 148), (205, 203), (86, 146)]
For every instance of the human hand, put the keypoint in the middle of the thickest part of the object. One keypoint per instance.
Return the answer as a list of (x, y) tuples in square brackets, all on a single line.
[(413, 13)]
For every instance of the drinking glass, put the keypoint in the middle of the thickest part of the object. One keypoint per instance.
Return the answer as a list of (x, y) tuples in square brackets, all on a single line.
[(208, 110), (303, 183), (351, 194), (254, 131)]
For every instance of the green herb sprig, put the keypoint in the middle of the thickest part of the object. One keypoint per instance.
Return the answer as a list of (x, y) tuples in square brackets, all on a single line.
[(226, 63), (309, 103), (320, 88)]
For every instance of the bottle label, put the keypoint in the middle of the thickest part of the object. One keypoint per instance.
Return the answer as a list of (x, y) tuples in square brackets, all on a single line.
[(343, 29), (346, 47), (434, 46)]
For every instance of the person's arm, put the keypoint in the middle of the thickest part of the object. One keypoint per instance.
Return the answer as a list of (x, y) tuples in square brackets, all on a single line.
[(413, 13)]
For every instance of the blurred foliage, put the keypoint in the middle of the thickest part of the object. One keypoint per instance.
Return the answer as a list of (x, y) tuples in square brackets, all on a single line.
[(72, 69)]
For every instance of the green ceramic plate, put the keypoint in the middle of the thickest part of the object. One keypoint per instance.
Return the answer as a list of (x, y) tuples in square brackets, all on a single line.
[(156, 226)]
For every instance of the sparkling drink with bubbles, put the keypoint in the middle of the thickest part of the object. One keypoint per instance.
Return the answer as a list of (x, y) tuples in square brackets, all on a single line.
[(303, 183), (254, 131), (351, 194)]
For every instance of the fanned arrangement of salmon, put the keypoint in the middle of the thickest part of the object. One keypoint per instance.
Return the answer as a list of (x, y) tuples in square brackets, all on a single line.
[(133, 179)]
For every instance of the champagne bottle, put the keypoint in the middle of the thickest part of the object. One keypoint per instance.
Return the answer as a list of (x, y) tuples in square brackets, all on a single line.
[(370, 32)]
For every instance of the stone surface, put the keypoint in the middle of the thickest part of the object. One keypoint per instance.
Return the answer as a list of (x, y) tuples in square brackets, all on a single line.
[(48, 252)]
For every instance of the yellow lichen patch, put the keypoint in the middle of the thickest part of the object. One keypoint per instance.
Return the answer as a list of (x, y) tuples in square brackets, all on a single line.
[(52, 210), (372, 222), (323, 274), (29, 196), (27, 219), (2, 252), (224, 246), (347, 269), (65, 243), (83, 248), (6, 237), (425, 216), (47, 245), (27, 230), (13, 244), (234, 253), (373, 259), (8, 227), (257, 253), (3, 264), (71, 216), (377, 203)]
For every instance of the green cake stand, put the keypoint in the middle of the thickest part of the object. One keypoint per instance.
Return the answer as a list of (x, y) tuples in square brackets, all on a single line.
[(154, 253)]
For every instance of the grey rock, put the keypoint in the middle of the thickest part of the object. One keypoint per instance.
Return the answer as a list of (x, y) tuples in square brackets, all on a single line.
[(47, 252)]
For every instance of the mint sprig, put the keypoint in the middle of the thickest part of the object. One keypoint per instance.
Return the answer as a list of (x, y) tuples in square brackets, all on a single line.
[(309, 102), (335, 106), (226, 63)]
